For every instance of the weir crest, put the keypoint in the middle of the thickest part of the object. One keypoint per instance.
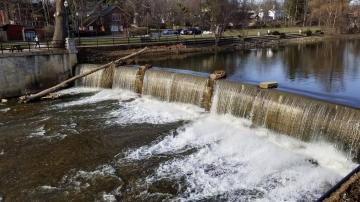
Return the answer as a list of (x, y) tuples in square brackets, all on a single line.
[(298, 116)]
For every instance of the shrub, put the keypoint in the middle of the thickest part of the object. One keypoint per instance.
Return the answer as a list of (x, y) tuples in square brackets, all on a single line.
[(308, 32), (282, 35), (136, 31), (275, 33), (319, 32)]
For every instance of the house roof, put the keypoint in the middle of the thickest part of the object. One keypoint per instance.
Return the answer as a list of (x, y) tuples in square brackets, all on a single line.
[(95, 15)]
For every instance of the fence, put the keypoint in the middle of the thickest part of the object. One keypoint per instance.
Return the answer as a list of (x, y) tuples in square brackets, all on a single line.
[(29, 46), (175, 39)]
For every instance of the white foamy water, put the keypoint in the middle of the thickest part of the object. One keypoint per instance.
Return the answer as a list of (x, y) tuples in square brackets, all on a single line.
[(5, 110), (147, 110), (77, 90), (135, 109), (38, 132), (240, 163), (99, 96)]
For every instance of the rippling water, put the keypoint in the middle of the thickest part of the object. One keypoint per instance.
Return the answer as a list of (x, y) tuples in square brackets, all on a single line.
[(115, 145)]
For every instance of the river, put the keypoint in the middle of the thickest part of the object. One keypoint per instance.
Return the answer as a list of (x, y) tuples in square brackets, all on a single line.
[(328, 70), (115, 145)]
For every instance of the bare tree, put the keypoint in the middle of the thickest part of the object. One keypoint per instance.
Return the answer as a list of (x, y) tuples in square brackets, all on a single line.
[(331, 14), (59, 34)]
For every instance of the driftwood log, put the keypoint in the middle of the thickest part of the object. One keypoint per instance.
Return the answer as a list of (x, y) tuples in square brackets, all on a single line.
[(29, 98)]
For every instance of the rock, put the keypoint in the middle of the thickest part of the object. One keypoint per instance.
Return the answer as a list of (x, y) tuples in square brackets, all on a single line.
[(218, 74), (4, 100), (164, 186), (268, 85)]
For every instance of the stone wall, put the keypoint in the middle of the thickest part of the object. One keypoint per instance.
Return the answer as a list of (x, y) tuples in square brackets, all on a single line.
[(25, 73)]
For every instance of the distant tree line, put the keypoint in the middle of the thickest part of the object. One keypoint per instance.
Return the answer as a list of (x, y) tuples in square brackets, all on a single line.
[(215, 15)]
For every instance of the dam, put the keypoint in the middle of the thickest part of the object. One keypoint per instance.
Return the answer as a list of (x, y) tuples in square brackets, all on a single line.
[(158, 134), (282, 112)]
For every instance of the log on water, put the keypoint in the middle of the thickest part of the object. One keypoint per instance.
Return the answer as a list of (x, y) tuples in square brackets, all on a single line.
[(28, 98)]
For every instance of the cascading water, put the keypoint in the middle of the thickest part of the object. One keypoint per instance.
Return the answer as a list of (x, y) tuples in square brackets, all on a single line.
[(92, 80), (124, 78), (99, 79), (174, 87), (298, 116)]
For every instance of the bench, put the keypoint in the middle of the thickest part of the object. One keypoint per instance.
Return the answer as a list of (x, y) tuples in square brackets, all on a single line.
[(16, 47)]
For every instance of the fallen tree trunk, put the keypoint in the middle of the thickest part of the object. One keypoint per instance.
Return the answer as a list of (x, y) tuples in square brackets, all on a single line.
[(28, 98)]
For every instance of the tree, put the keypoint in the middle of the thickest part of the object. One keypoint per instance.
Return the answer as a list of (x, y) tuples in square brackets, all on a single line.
[(331, 14), (220, 14), (59, 34), (296, 10)]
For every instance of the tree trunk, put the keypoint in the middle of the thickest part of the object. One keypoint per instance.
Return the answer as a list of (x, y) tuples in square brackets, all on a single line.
[(26, 99), (59, 35)]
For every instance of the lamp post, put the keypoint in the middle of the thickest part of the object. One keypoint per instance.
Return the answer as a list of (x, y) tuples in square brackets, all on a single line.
[(78, 25), (66, 5)]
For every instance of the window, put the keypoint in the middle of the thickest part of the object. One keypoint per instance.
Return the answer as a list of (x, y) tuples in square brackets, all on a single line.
[(116, 17), (114, 28), (91, 28)]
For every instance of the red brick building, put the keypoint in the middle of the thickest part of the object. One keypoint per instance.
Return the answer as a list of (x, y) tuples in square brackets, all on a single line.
[(106, 21)]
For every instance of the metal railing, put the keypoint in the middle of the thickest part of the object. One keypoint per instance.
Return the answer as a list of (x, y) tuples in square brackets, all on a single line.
[(147, 40), (29, 46)]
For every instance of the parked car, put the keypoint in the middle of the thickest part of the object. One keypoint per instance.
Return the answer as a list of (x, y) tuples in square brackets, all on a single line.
[(168, 32), (191, 31), (196, 31)]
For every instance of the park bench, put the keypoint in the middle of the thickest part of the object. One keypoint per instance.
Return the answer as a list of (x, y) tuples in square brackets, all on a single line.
[(17, 48)]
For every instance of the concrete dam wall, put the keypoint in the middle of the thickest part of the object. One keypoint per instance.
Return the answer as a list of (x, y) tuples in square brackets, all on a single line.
[(25, 73), (286, 113)]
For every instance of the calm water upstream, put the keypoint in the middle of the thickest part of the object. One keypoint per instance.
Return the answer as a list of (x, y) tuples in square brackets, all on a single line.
[(328, 70)]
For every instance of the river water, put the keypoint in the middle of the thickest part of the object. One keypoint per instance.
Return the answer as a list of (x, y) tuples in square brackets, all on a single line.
[(328, 70), (114, 145)]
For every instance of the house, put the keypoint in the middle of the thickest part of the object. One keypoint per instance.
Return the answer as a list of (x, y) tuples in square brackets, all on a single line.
[(110, 19), (13, 32), (275, 14), (16, 33)]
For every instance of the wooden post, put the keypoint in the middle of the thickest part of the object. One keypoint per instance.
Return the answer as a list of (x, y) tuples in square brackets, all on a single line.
[(139, 82), (209, 91)]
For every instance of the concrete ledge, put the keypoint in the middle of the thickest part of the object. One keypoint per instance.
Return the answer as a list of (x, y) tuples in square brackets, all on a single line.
[(33, 53)]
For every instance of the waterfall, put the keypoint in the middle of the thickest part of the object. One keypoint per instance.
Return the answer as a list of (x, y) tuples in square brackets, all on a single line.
[(100, 79), (298, 116), (92, 80), (125, 78), (174, 87)]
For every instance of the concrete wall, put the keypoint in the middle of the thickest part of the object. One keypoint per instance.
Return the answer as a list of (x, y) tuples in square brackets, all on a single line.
[(24, 73)]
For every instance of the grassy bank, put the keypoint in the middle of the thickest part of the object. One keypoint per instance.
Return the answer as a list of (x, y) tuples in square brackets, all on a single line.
[(109, 40)]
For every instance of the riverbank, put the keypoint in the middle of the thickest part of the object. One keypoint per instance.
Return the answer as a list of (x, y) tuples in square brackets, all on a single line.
[(103, 54)]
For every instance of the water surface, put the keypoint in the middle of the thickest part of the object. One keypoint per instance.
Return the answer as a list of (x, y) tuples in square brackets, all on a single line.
[(108, 145), (329, 70)]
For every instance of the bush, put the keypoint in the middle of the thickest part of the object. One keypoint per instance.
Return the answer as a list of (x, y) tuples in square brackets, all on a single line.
[(282, 35), (136, 31), (308, 32), (275, 33), (319, 32)]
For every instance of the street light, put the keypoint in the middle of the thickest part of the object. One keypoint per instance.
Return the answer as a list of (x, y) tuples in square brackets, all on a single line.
[(78, 25), (66, 5)]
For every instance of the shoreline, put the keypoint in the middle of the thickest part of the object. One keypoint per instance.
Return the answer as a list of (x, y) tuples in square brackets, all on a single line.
[(105, 54)]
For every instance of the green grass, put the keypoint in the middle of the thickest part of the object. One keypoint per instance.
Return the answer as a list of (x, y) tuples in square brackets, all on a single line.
[(263, 31), (231, 33)]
